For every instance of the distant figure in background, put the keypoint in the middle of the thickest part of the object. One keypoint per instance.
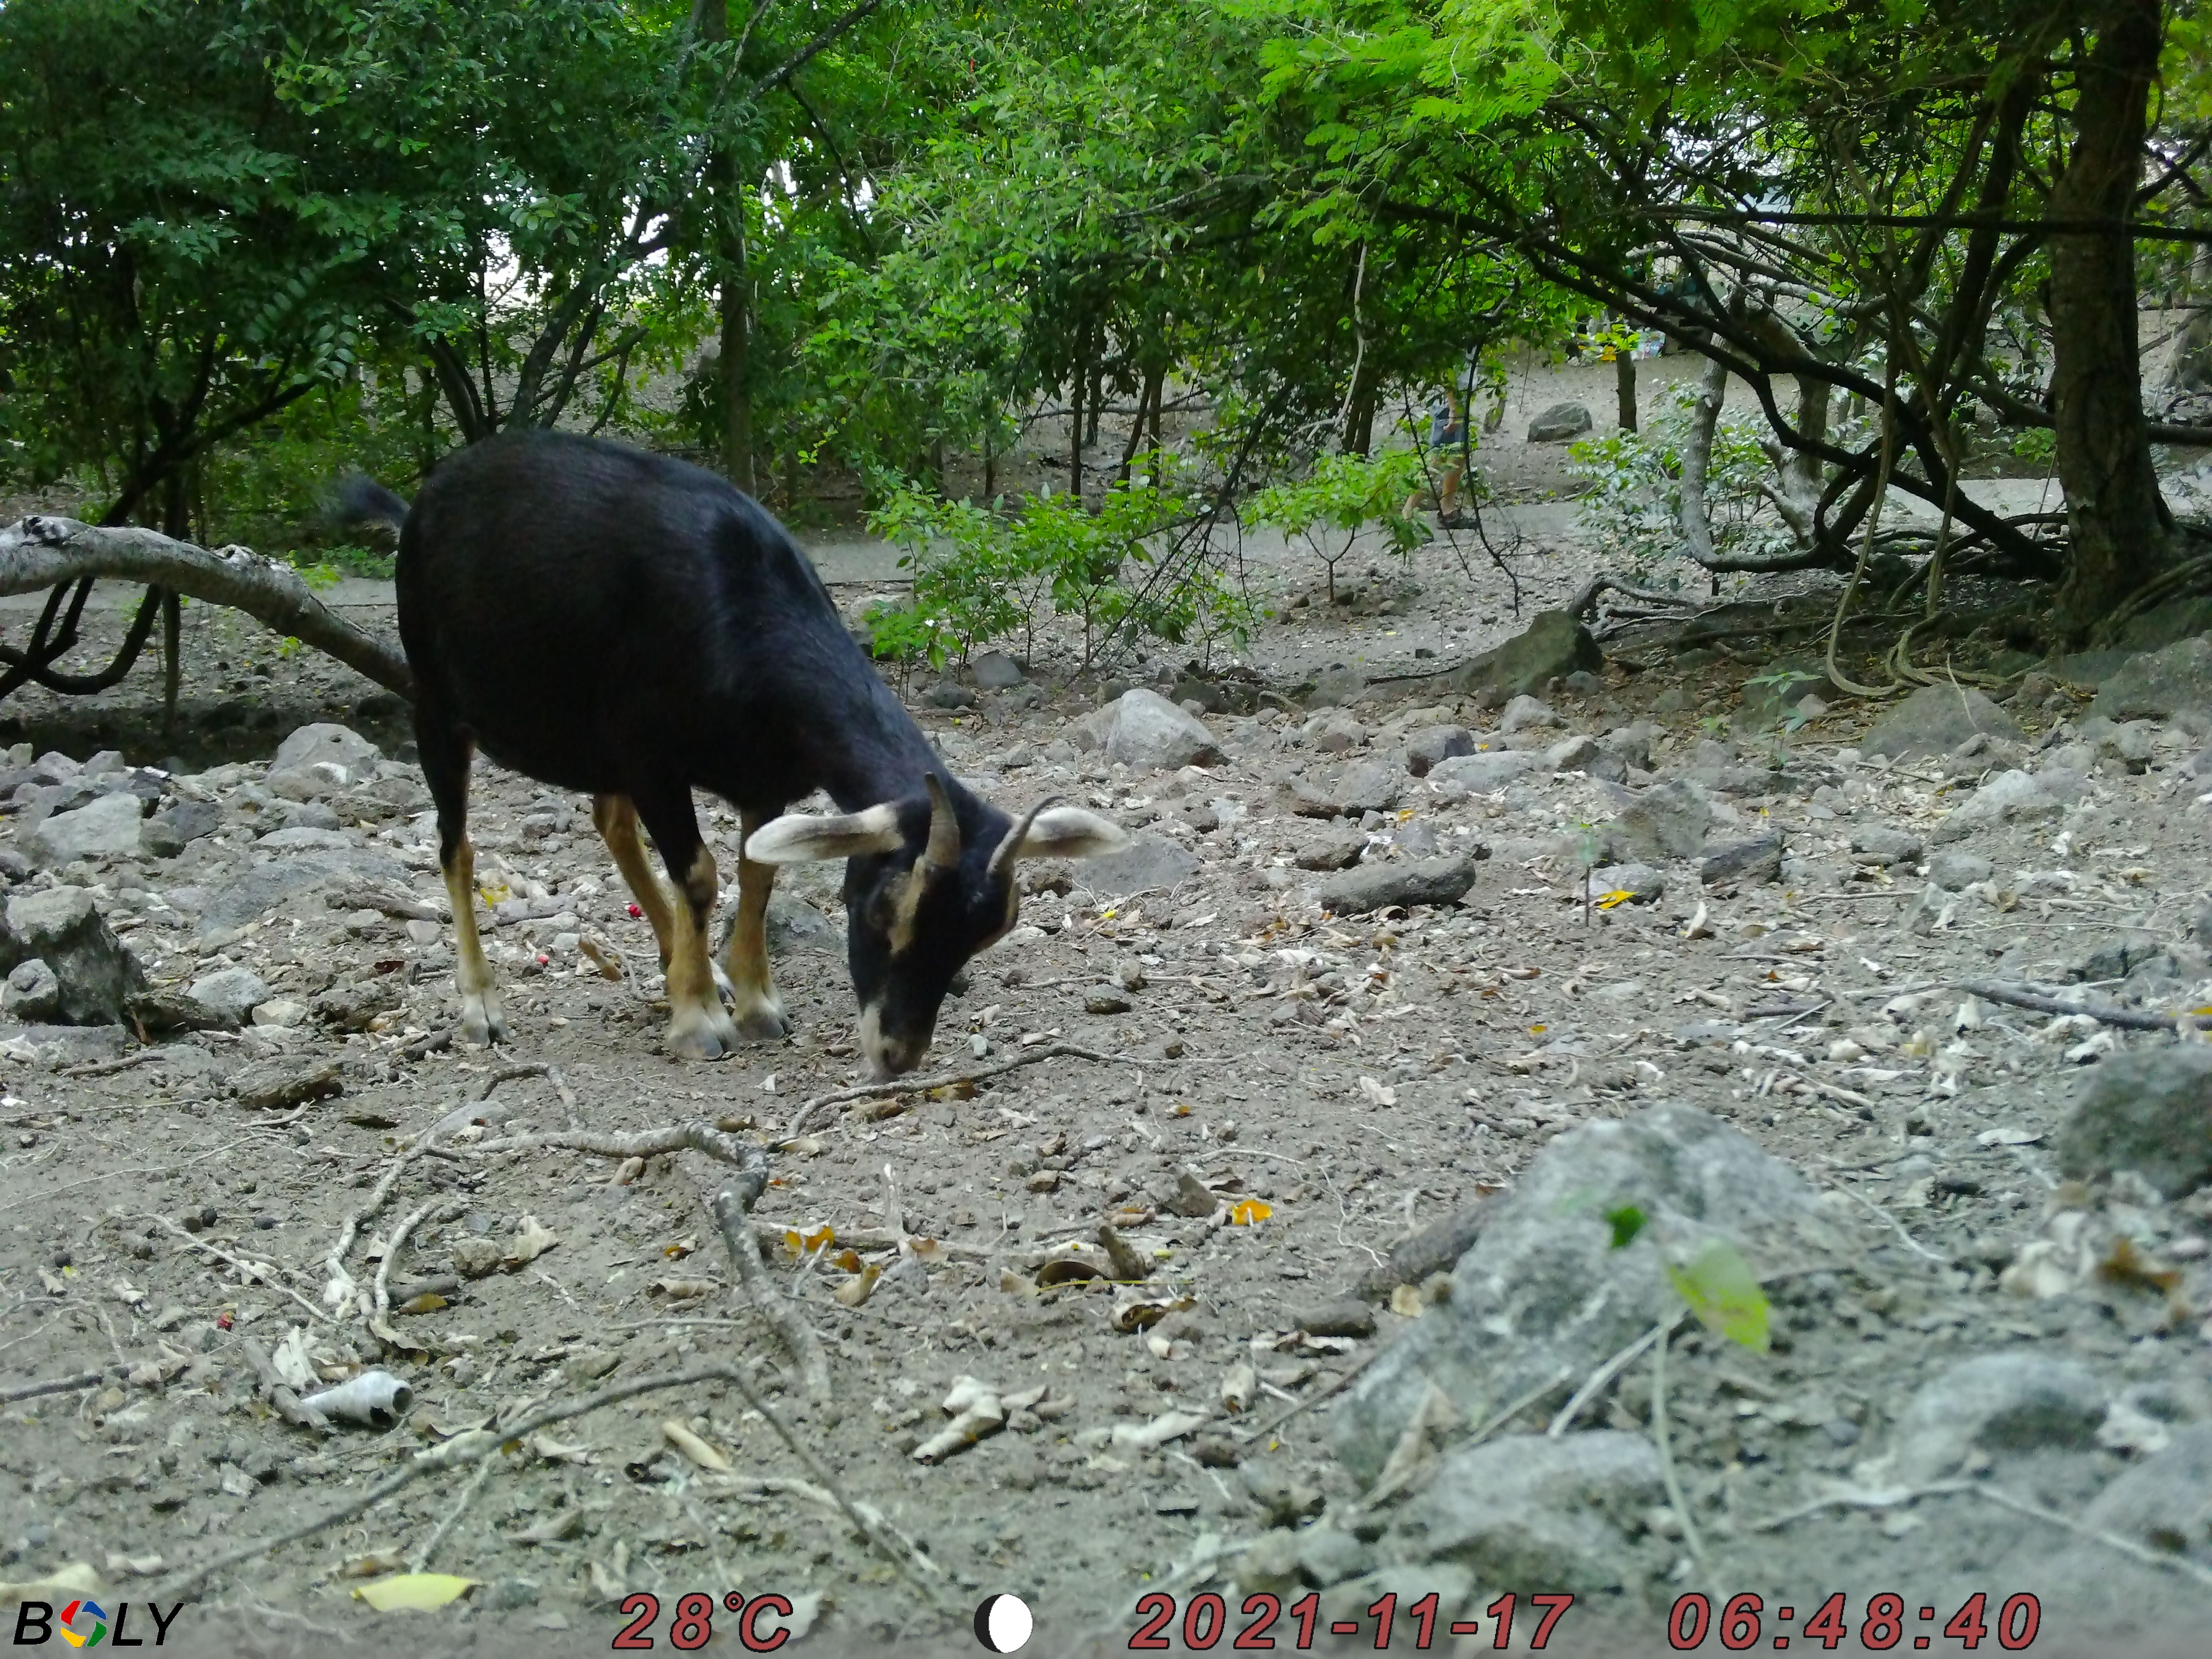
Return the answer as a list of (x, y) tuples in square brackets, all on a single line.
[(1447, 442)]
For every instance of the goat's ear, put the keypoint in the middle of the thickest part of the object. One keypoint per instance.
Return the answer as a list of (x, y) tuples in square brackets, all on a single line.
[(1070, 832), (801, 838)]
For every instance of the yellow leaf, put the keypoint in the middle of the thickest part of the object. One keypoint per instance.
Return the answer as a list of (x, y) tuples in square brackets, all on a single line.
[(415, 1592), (494, 893), (802, 1243), (1180, 1108), (1618, 895), (856, 1290), (849, 1260), (1249, 1213), (1724, 1294), (1538, 1030)]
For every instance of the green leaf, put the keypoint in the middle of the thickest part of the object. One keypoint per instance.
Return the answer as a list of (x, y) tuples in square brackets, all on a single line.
[(1627, 1221), (1724, 1294)]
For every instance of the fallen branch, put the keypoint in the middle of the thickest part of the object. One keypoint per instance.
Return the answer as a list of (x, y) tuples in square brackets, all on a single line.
[(261, 1273), (380, 1310), (702, 1138), (339, 1285), (733, 1214), (59, 1384), (1585, 603), (1604, 1374), (280, 1392), (419, 1558), (467, 1449), (888, 1086), (44, 551), (2018, 996)]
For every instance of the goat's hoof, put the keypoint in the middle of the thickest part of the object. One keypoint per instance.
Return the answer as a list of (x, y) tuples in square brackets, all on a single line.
[(480, 1028), (703, 1038), (766, 1023)]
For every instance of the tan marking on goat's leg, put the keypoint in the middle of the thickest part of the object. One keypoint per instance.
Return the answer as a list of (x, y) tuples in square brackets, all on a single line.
[(698, 1028), (616, 819), (759, 1011), (481, 1023)]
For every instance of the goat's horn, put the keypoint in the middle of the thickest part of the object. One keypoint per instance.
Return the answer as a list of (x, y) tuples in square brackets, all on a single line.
[(943, 852), (1004, 854)]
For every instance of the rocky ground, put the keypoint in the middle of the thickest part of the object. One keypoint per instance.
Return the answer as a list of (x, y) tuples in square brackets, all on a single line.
[(1433, 1043)]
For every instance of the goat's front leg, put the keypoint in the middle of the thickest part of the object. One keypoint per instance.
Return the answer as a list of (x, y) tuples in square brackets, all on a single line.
[(616, 819), (759, 1011), (698, 1026)]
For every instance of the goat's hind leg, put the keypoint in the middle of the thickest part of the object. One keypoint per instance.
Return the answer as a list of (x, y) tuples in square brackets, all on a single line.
[(616, 819), (445, 756)]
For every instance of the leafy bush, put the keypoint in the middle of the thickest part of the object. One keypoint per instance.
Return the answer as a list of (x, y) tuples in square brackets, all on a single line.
[(1341, 496), (1633, 508), (982, 574)]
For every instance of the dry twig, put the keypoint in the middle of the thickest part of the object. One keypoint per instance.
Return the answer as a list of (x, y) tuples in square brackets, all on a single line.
[(733, 1214), (800, 1119)]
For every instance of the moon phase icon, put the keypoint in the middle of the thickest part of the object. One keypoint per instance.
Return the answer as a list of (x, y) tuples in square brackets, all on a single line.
[(1003, 1623)]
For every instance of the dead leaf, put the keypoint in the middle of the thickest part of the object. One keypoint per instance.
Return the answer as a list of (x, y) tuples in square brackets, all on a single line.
[(555, 1451), (682, 1290), (601, 958), (928, 1251), (1239, 1385), (532, 1238), (1063, 1270), (801, 1243), (1144, 1312), (428, 1302), (680, 1249), (417, 1592), (291, 1359), (554, 1529), (1406, 1302), (1249, 1213), (1375, 1093), (610, 1577), (706, 1456), (859, 1288), (375, 1563), (1146, 1437)]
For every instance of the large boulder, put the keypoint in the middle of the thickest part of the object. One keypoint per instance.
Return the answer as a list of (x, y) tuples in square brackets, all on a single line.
[(264, 885), (1554, 646), (1431, 745), (320, 760), (1544, 1292), (1148, 863), (1935, 720), (1147, 733), (2160, 684), (1374, 886), (96, 974), (2016, 794), (1560, 424), (110, 827), (1529, 1510), (2149, 1110), (1482, 774), (1666, 821), (1997, 1402)]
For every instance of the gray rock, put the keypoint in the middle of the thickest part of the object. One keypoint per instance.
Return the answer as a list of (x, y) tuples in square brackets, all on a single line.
[(2166, 1501), (1935, 720), (1346, 1317), (1374, 886), (326, 743), (1640, 881), (2160, 684), (1332, 734), (265, 885), (1995, 1403), (1526, 711), (1337, 852), (310, 815), (1432, 744), (795, 925), (1772, 697), (1543, 1293), (108, 828), (1336, 684), (1368, 786), (97, 973), (951, 694), (1554, 645), (2145, 1109), (1951, 871), (1888, 846), (1148, 863), (1484, 773), (1526, 1509), (230, 992), (302, 837), (1328, 1556), (2120, 955), (1146, 733), (1631, 742), (1666, 821), (2015, 794), (169, 831), (1573, 754), (1560, 424), (33, 993), (994, 671), (276, 1085), (1742, 860)]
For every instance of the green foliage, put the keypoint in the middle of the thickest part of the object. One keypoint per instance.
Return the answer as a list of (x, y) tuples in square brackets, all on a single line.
[(1626, 1222), (1340, 496), (1723, 1292), (983, 573), (1633, 507)]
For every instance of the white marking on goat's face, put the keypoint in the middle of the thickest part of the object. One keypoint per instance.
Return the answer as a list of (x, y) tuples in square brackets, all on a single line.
[(887, 1056)]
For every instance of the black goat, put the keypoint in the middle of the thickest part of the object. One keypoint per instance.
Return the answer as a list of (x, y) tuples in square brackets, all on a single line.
[(624, 625)]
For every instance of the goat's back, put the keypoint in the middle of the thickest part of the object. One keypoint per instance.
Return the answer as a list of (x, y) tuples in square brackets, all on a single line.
[(593, 614)]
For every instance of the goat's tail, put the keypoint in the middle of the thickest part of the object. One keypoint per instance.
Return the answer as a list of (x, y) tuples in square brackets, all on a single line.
[(359, 499)]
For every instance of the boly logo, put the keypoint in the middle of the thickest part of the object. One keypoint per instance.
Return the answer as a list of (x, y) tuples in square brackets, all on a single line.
[(84, 1624), (91, 1611)]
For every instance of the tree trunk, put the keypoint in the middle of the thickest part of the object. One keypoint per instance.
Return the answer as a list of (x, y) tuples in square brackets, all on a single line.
[(2117, 521), (1359, 436), (1076, 384), (1624, 386), (1697, 456), (1147, 399), (726, 210)]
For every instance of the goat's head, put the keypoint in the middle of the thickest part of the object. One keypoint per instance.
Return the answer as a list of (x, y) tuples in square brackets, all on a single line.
[(929, 881)]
